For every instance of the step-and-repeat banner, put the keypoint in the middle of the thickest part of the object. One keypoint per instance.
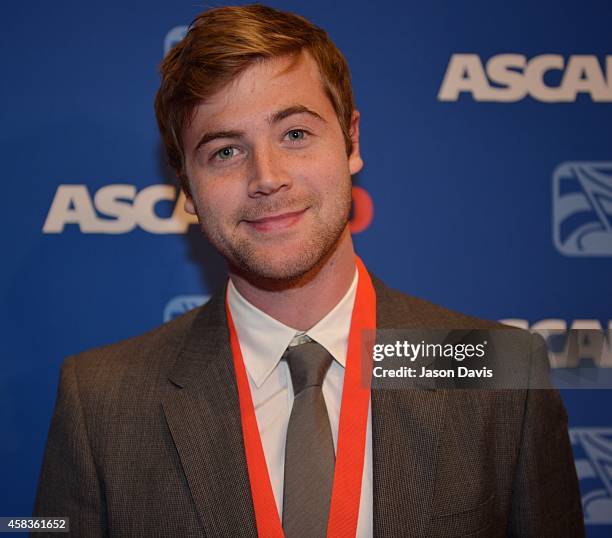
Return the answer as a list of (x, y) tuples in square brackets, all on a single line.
[(487, 187)]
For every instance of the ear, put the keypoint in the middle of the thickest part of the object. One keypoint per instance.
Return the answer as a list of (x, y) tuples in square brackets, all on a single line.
[(189, 205), (355, 161)]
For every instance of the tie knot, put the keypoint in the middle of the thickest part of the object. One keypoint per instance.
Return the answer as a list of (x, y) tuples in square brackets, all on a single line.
[(308, 364)]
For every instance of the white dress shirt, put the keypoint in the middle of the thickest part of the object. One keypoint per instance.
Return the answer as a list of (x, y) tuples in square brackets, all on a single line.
[(263, 340)]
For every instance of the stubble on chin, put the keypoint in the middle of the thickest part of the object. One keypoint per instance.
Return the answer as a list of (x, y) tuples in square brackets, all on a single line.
[(270, 265), (279, 266)]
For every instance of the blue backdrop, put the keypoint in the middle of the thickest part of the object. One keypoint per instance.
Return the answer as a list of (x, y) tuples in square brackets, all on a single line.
[(488, 165)]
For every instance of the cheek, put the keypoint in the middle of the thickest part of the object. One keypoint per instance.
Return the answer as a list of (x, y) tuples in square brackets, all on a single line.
[(213, 194), (334, 179), (328, 172), (214, 204)]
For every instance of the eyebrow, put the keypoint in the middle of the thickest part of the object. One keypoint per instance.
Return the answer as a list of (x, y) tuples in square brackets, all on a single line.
[(290, 111), (274, 118)]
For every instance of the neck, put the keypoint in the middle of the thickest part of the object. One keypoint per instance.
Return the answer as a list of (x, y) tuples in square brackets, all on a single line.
[(309, 298)]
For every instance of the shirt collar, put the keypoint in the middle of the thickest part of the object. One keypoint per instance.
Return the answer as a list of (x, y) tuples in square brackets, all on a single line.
[(263, 339)]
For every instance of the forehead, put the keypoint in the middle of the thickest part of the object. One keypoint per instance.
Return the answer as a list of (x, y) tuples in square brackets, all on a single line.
[(264, 87)]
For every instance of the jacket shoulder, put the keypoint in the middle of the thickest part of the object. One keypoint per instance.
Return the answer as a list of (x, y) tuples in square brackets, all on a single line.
[(396, 307), (146, 357), (509, 347)]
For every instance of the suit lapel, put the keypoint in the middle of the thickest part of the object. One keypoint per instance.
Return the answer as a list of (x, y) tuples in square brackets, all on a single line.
[(406, 430), (203, 415)]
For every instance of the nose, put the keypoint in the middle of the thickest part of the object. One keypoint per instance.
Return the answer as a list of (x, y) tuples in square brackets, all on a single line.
[(268, 173)]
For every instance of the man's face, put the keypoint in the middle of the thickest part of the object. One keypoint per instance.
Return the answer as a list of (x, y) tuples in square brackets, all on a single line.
[(269, 175)]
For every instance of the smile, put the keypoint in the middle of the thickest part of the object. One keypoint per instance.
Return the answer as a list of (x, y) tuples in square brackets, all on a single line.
[(276, 222)]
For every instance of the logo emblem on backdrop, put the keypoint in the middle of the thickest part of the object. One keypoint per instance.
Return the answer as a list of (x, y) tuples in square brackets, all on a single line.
[(118, 209), (582, 208), (593, 455), (173, 36), (508, 78), (583, 344), (183, 303)]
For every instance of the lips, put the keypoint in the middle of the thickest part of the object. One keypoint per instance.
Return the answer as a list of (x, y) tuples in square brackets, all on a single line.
[(276, 222)]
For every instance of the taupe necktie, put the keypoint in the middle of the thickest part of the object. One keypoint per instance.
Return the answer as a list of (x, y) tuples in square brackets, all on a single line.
[(309, 451)]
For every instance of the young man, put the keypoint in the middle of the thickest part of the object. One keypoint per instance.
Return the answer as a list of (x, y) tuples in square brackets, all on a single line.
[(248, 416)]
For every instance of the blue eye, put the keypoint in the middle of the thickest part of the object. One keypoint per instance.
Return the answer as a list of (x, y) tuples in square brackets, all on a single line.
[(226, 153), (296, 135)]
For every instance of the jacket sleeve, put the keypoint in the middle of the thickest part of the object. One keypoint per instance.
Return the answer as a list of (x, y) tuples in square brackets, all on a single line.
[(546, 499), (69, 484)]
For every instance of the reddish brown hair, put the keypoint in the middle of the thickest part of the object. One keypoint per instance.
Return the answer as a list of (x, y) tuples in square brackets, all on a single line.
[(222, 43)]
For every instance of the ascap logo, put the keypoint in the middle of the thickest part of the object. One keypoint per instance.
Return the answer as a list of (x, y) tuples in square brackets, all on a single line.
[(582, 208), (593, 456), (508, 78), (183, 303), (119, 209), (571, 345), (555, 324)]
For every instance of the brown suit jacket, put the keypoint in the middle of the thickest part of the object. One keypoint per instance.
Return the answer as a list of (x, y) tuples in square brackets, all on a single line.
[(146, 441)]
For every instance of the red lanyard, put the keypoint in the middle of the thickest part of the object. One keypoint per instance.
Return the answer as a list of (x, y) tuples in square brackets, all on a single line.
[(346, 491)]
